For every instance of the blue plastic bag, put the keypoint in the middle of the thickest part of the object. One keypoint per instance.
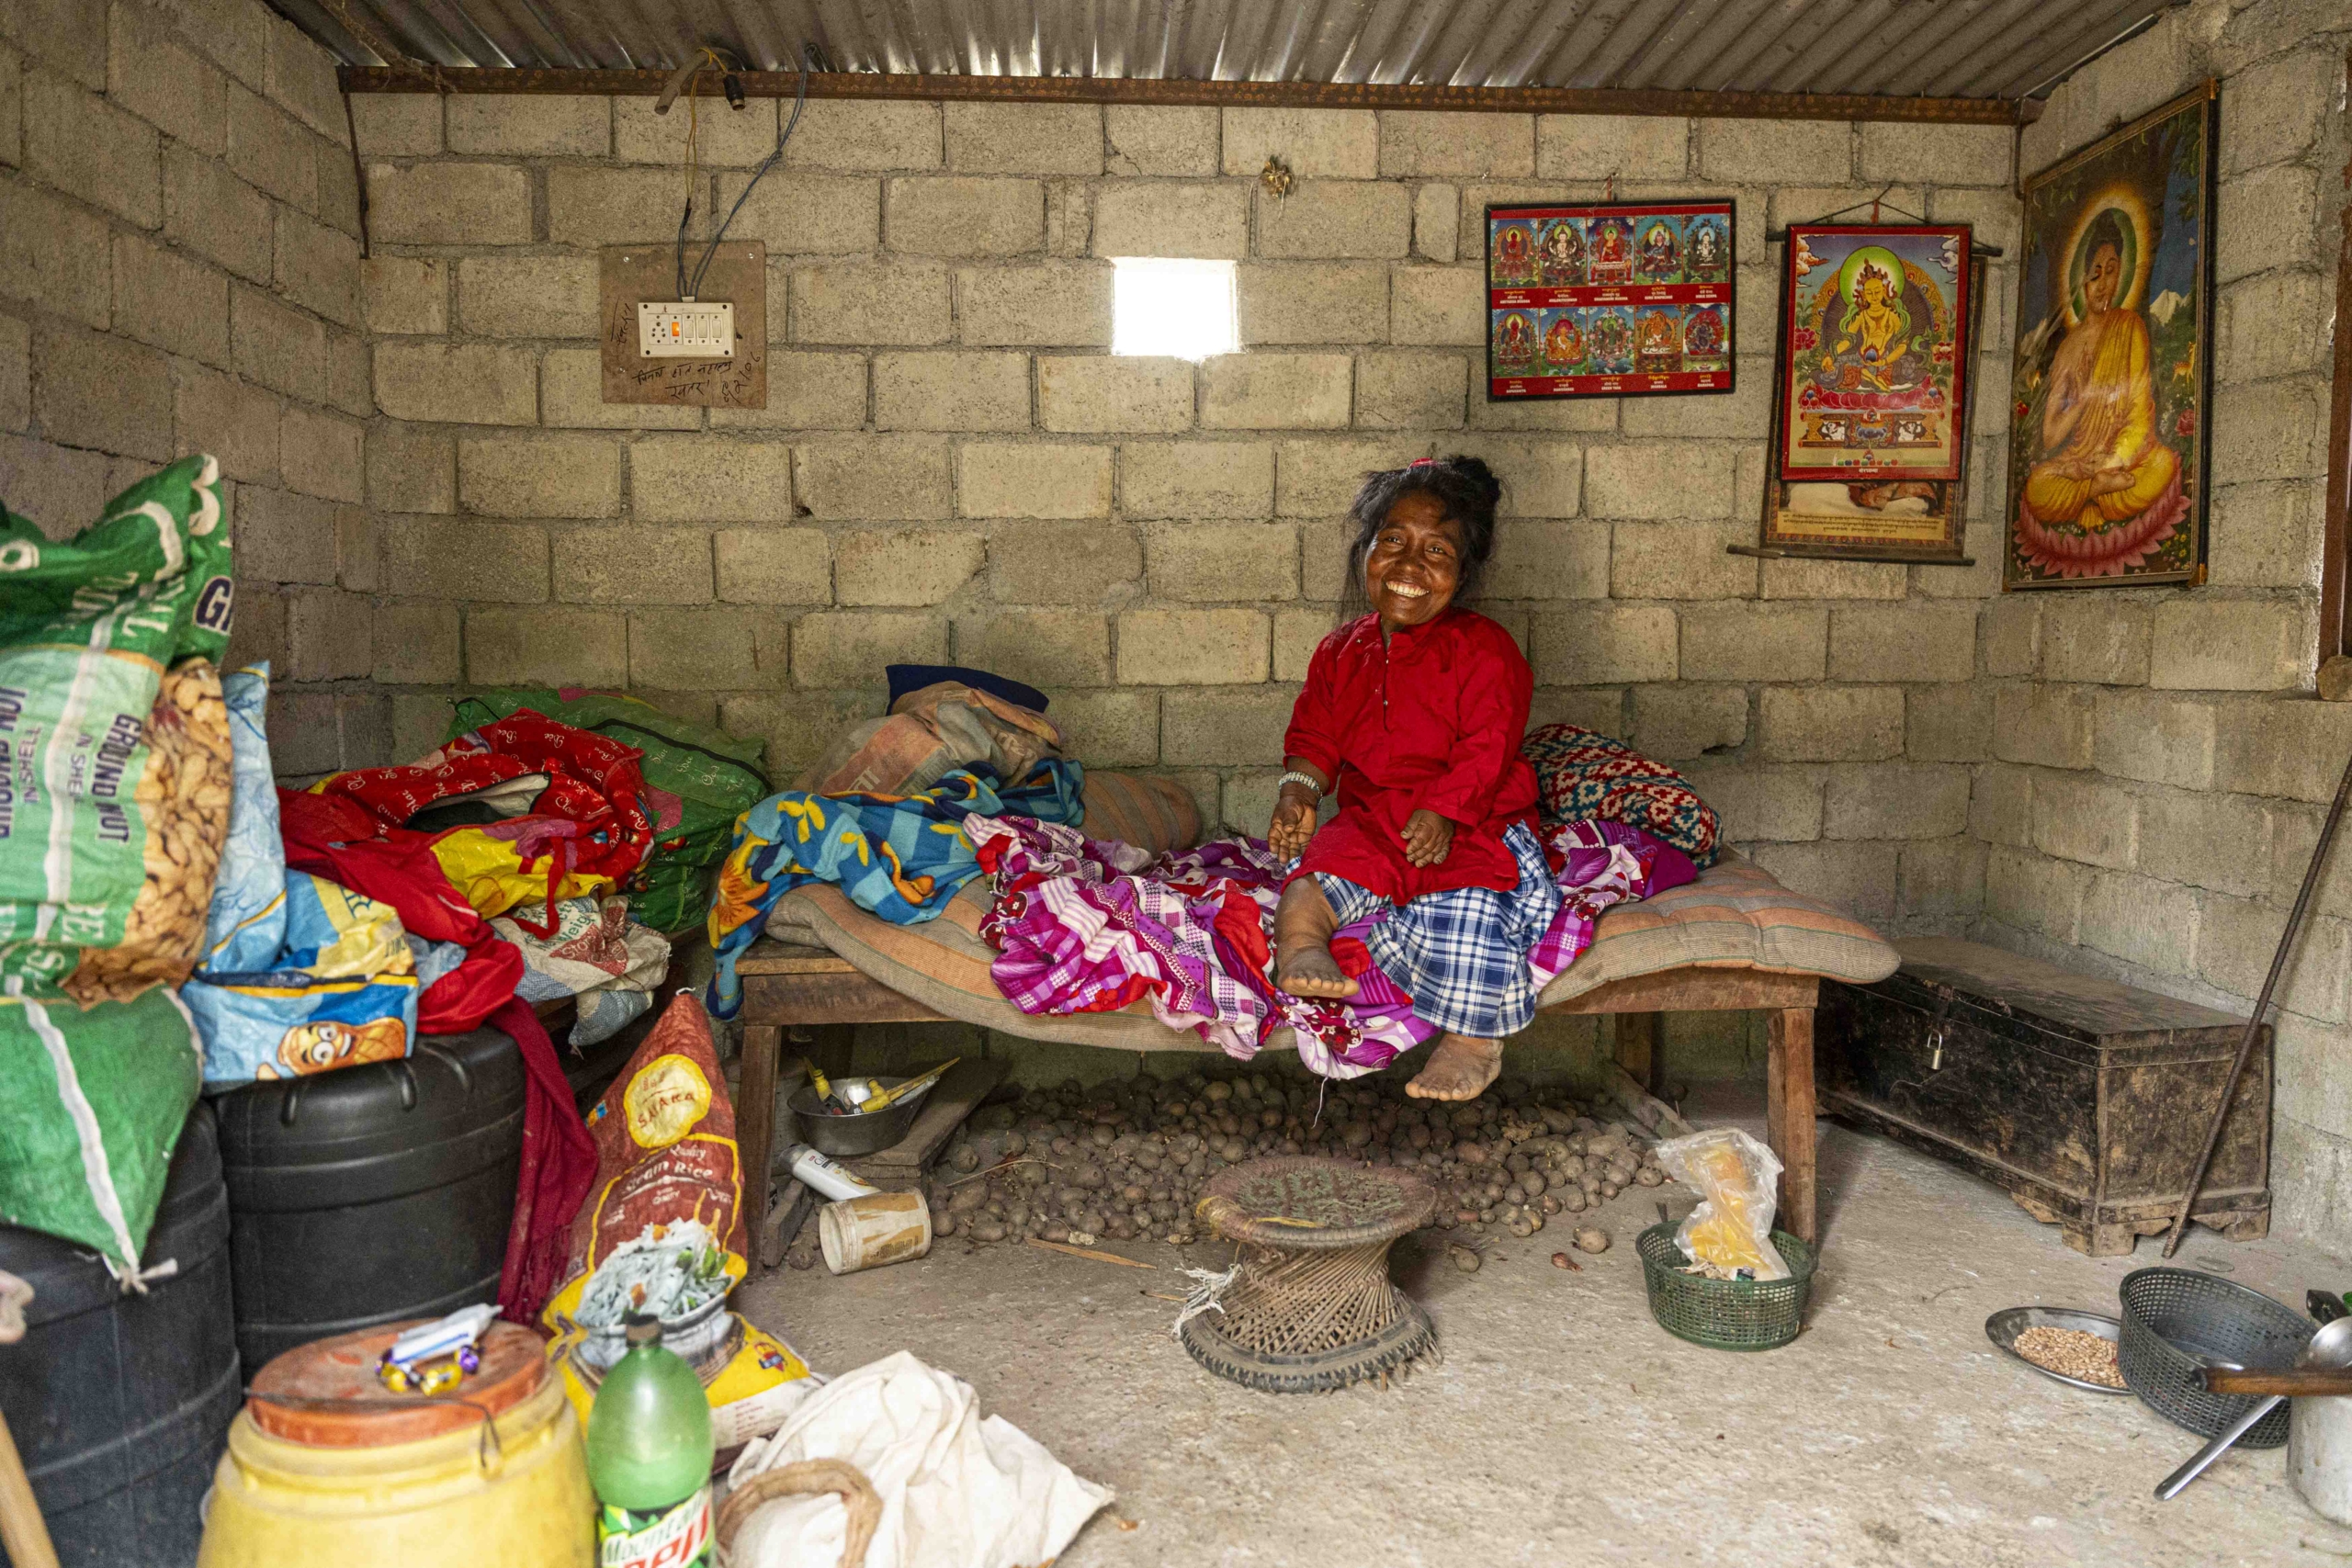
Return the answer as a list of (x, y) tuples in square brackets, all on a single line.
[(301, 974), (246, 925)]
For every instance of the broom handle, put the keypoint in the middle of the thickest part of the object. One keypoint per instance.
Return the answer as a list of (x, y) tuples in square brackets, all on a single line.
[(21, 1530), (2262, 1004)]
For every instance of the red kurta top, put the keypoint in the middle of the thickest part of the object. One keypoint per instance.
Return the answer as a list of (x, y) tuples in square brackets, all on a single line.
[(1429, 718)]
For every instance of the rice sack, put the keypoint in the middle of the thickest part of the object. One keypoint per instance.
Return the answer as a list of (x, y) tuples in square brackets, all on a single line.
[(662, 1232)]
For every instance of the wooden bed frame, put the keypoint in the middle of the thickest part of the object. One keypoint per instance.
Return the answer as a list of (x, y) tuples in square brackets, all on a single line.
[(787, 987)]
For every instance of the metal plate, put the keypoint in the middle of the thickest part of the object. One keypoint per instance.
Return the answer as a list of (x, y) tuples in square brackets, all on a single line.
[(2003, 1328)]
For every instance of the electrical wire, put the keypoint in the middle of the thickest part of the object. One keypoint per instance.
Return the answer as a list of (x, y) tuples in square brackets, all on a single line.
[(694, 126), (782, 135)]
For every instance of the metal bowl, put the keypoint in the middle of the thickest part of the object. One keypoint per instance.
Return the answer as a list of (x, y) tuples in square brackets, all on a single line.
[(845, 1137), (2003, 1328), (2177, 1322)]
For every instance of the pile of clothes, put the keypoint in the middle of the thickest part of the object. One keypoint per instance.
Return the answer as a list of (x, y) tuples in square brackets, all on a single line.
[(512, 866), (1083, 926), (172, 923), (881, 814)]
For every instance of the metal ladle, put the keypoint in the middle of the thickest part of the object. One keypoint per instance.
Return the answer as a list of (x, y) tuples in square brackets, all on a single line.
[(2331, 1345)]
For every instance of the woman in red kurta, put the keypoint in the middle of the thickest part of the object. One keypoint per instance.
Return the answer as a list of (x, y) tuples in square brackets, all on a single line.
[(1413, 713)]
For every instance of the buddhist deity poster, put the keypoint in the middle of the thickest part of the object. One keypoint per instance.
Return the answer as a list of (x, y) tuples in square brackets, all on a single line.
[(2109, 414), (1879, 513), (1873, 380), (1609, 300)]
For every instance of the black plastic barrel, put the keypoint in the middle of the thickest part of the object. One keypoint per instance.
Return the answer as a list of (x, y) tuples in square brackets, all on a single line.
[(120, 1403), (371, 1193)]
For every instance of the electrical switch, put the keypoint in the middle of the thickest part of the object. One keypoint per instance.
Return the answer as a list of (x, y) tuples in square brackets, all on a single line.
[(685, 329)]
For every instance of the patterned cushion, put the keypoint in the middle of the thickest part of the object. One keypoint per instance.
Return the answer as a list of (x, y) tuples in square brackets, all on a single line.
[(1583, 775), (1735, 917)]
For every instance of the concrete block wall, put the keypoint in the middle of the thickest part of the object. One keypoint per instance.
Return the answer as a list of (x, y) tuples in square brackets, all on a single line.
[(179, 272), (2159, 762), (953, 466)]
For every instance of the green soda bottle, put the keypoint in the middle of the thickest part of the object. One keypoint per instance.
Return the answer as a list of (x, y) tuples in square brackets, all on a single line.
[(648, 1458)]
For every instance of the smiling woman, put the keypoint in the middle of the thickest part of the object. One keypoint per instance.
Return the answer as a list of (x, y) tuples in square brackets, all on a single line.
[(1413, 715)]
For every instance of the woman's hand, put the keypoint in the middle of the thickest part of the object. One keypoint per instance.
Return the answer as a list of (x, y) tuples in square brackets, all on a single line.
[(1428, 837), (1294, 823)]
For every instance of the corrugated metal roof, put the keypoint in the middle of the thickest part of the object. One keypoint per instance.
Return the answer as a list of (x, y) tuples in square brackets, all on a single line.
[(1985, 48)]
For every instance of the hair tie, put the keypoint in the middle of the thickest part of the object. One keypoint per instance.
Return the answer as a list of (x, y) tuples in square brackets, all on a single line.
[(1422, 463)]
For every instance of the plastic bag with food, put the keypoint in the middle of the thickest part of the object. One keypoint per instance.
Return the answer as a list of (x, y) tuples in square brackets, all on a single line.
[(115, 762), (114, 809), (1736, 1179), (662, 1232)]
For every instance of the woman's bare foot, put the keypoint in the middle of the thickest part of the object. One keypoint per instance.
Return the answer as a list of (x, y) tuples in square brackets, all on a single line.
[(1459, 1068), (1303, 926), (1308, 969)]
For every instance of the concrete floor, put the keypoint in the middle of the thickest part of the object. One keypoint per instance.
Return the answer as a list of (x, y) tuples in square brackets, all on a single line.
[(1564, 1425)]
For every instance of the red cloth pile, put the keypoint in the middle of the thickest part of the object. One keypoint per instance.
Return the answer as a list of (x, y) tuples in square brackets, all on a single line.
[(338, 839), (594, 786)]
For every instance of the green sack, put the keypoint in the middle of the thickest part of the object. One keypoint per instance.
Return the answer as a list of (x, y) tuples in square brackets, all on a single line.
[(87, 629), (698, 780), (96, 1100)]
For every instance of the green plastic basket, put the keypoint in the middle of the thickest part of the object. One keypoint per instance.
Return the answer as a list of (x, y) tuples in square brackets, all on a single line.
[(1726, 1314)]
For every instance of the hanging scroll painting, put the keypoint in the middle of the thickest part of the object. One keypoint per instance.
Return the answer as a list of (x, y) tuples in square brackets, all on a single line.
[(1871, 416), (2110, 406), (1874, 381), (1609, 300)]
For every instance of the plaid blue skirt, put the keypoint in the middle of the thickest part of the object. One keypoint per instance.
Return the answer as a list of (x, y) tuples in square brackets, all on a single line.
[(1461, 955)]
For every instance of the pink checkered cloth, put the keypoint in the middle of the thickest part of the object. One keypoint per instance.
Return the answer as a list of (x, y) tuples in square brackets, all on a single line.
[(1083, 925)]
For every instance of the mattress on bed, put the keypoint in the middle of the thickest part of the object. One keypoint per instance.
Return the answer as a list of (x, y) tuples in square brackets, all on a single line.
[(1735, 916)]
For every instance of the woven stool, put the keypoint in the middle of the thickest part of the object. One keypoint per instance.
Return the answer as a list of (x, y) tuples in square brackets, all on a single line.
[(1312, 1308)]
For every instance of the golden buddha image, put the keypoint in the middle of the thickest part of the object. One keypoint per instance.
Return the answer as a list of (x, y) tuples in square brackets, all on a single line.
[(2097, 462), (2109, 392), (1872, 342), (1564, 343)]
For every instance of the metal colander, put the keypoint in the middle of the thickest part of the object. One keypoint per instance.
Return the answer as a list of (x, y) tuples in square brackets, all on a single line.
[(2176, 1321), (1726, 1314)]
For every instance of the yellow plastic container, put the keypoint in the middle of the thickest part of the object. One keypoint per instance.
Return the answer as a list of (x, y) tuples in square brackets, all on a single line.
[(450, 1501)]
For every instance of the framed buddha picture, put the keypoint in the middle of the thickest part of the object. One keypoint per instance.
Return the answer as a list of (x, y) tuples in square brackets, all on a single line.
[(1872, 389), (2110, 412)]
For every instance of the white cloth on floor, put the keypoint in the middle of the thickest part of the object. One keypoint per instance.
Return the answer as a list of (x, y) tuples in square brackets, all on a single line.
[(958, 1491)]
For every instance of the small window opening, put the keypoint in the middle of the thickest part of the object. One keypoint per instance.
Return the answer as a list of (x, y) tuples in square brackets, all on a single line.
[(1180, 308)]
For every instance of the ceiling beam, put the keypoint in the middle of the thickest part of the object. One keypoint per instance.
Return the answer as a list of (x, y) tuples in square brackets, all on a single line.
[(411, 78)]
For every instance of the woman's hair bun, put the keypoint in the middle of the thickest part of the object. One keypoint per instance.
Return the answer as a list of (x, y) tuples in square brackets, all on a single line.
[(1482, 478)]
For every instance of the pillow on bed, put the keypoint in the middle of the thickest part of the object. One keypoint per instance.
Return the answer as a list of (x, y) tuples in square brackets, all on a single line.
[(1150, 813), (1735, 916), (1581, 773)]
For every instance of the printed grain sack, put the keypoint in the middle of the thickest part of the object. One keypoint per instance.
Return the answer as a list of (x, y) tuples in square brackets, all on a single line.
[(341, 991), (300, 975), (115, 799), (663, 1232), (247, 924), (94, 1100), (596, 956)]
